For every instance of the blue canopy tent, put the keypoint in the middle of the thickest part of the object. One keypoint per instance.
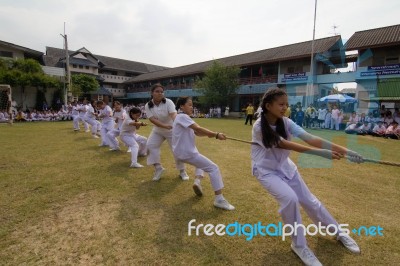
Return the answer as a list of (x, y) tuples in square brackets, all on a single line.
[(342, 98)]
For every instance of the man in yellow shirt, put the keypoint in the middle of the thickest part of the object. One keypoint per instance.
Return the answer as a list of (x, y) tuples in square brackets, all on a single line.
[(249, 114)]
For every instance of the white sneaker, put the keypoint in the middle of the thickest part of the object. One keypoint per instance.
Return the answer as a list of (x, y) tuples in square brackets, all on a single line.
[(115, 149), (76, 129), (158, 173), (198, 190), (129, 150), (349, 243), (184, 176), (223, 204), (102, 145), (136, 165), (95, 136), (87, 130), (306, 255)]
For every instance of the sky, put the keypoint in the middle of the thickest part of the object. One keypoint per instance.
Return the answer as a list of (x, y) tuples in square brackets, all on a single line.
[(173, 33)]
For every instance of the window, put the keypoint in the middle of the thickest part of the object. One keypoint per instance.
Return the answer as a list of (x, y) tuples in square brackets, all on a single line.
[(80, 66), (6, 54), (290, 70), (86, 67), (298, 69), (74, 66), (392, 60)]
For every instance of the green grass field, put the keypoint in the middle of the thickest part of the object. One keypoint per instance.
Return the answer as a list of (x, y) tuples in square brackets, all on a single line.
[(64, 200)]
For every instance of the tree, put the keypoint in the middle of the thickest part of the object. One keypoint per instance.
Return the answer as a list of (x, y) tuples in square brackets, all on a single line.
[(218, 83), (22, 73), (83, 84)]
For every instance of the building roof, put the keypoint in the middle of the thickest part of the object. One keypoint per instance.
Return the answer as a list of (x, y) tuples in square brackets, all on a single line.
[(53, 56), (27, 51), (380, 37), (101, 91), (286, 52)]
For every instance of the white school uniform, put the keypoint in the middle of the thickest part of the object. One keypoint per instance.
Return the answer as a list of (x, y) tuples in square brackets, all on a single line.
[(107, 124), (136, 142), (2, 117), (335, 119), (81, 108), (279, 176), (90, 118), (158, 135), (184, 149), (113, 134), (328, 120)]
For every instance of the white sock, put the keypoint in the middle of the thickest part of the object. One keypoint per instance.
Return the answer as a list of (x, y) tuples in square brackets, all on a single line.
[(182, 171), (197, 180), (219, 197)]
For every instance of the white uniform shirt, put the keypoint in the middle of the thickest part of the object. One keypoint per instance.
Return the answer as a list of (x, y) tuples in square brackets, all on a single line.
[(183, 137), (322, 114), (335, 113), (90, 112), (106, 112), (74, 111), (274, 160), (127, 129), (162, 113), (121, 115), (82, 108)]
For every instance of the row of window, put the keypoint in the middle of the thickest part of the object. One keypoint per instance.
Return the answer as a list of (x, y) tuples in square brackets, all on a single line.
[(79, 66), (115, 77), (6, 54)]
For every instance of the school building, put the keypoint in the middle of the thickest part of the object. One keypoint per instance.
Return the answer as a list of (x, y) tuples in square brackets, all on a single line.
[(372, 54)]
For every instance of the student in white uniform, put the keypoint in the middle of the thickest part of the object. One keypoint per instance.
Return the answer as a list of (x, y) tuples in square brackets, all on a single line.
[(335, 118), (119, 117), (161, 112), (107, 121), (90, 118), (74, 114), (322, 111), (82, 108), (184, 148), (275, 171), (135, 142)]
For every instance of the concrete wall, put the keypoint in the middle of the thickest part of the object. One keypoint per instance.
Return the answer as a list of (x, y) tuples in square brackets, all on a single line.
[(17, 54), (26, 98)]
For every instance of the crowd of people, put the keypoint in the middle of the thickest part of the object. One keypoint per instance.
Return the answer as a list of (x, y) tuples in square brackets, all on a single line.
[(384, 125), (380, 123)]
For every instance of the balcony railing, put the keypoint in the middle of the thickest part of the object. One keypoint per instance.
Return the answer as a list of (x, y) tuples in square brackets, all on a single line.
[(242, 81)]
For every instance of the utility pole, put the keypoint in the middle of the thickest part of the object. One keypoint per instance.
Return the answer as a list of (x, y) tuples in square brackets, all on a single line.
[(67, 93), (310, 85)]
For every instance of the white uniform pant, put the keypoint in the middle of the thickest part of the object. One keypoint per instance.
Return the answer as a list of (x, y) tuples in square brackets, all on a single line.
[(81, 118), (112, 138), (137, 144), (154, 142), (105, 128), (203, 164), (291, 193), (335, 123), (76, 119), (96, 125)]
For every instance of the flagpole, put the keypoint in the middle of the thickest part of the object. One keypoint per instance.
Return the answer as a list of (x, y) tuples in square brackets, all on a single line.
[(310, 88)]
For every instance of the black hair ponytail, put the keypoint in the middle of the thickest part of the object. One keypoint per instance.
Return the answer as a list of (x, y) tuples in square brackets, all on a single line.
[(270, 137), (155, 86)]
